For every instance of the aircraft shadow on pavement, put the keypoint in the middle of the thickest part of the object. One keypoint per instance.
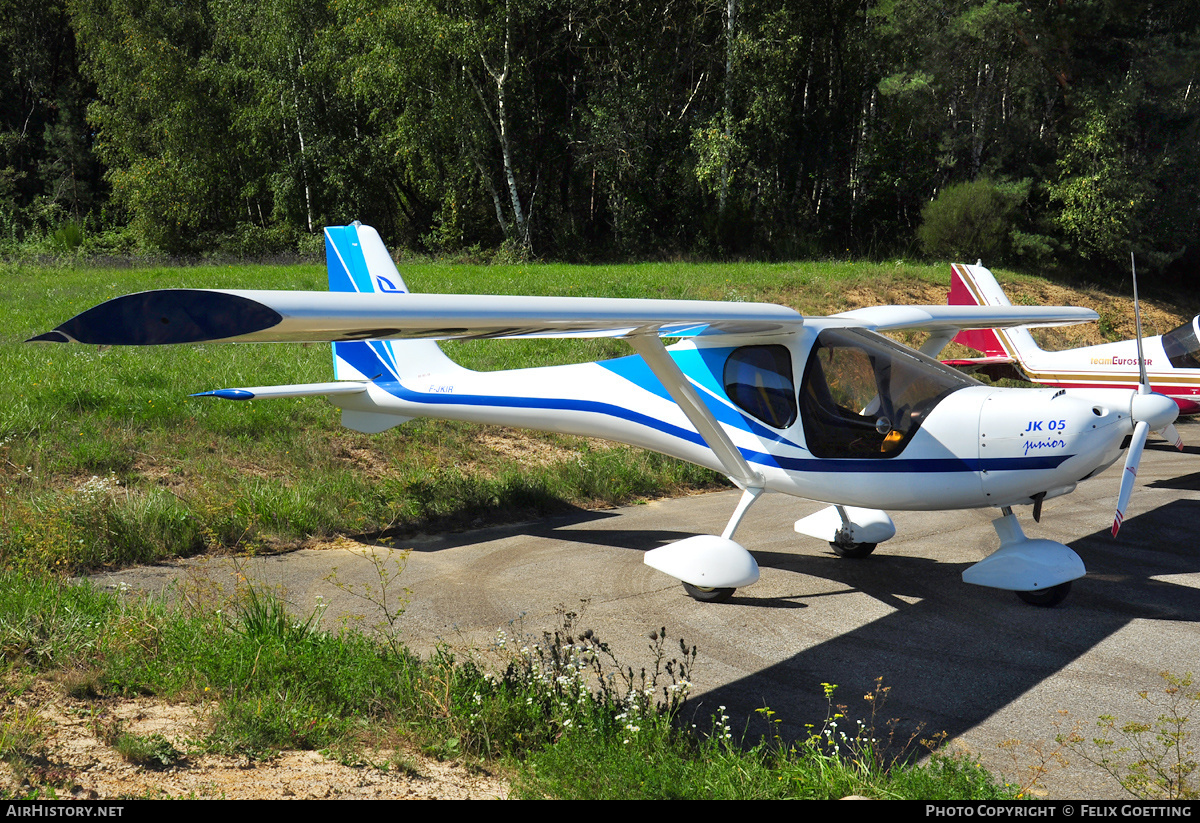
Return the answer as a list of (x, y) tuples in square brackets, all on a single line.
[(953, 654), (1188, 482), (440, 541), (1164, 446)]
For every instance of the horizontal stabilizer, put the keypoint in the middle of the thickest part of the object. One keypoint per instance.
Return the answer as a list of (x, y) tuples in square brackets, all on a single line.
[(981, 361), (994, 368), (295, 390)]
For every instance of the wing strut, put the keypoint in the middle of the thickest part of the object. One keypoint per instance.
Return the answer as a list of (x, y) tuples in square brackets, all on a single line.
[(937, 341), (650, 347)]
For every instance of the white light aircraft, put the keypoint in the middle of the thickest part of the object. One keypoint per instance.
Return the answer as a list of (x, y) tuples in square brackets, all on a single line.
[(1172, 360), (823, 408)]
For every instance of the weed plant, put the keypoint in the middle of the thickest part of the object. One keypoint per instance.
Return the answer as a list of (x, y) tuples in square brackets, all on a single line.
[(385, 594), (149, 751), (22, 737), (1154, 759), (667, 763)]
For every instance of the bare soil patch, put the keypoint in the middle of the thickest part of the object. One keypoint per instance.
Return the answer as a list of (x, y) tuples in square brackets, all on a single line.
[(72, 754)]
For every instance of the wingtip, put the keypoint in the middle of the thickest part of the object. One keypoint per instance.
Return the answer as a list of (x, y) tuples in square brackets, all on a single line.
[(226, 394), (50, 337), (166, 316)]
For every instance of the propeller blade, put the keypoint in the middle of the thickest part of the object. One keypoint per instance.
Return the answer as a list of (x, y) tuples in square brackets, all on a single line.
[(1140, 432), (1149, 410), (1172, 436), (1143, 379)]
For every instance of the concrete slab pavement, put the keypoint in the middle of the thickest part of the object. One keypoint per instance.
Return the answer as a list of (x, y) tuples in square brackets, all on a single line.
[(976, 664)]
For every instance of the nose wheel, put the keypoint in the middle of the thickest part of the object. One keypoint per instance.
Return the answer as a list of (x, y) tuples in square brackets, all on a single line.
[(706, 594), (1047, 597), (1038, 571)]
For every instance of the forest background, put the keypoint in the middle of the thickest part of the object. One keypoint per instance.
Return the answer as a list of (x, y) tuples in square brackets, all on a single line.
[(1042, 133)]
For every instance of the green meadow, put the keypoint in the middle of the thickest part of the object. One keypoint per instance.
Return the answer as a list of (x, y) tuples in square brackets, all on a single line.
[(107, 461)]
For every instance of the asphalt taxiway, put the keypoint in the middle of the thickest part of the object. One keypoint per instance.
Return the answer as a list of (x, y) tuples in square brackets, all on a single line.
[(997, 677)]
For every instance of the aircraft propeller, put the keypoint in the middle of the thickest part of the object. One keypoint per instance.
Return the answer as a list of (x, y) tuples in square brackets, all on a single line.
[(1149, 412)]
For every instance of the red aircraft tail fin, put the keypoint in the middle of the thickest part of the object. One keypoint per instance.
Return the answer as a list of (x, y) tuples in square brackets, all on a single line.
[(975, 286)]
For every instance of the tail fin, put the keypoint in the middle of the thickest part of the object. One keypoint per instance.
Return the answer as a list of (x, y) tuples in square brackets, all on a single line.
[(358, 261), (975, 286)]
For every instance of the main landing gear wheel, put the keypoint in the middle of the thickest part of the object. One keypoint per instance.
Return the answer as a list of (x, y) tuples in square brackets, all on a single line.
[(1047, 597), (707, 595), (854, 549)]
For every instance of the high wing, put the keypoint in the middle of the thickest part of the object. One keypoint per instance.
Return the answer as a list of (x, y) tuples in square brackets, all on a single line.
[(946, 318), (945, 322), (173, 316), (202, 315)]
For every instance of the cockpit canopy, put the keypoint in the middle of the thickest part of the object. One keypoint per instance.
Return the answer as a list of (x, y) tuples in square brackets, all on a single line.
[(1182, 346), (861, 395), (865, 396)]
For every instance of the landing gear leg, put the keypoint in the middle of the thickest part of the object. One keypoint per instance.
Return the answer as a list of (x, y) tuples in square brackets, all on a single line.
[(843, 544), (706, 594), (711, 568), (1038, 571), (849, 530)]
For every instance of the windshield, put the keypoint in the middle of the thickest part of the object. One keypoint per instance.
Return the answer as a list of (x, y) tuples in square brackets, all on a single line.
[(1182, 347), (864, 396)]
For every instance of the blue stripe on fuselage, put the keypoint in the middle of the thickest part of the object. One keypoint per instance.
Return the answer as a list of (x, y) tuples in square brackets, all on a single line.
[(698, 366), (363, 358)]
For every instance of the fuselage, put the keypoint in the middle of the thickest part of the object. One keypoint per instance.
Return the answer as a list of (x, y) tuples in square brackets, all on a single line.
[(837, 415), (1172, 366)]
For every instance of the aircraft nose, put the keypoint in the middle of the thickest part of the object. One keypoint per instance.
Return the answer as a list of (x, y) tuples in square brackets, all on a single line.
[(1158, 410)]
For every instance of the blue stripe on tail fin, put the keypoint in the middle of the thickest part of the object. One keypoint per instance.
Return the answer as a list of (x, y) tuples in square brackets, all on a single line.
[(358, 261)]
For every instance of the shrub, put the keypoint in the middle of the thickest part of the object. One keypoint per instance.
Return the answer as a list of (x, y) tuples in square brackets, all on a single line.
[(972, 220)]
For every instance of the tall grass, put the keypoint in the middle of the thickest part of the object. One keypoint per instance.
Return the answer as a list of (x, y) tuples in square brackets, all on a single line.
[(559, 711)]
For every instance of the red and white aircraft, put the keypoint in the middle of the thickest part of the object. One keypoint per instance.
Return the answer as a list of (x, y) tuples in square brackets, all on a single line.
[(1172, 360)]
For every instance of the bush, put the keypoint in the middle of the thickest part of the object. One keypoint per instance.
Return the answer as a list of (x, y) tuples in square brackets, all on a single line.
[(250, 241), (973, 220)]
